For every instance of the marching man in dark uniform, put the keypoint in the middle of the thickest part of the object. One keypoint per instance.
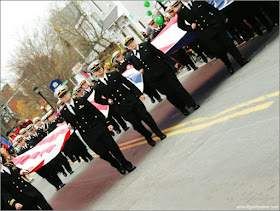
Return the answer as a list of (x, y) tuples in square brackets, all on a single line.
[(39, 127), (112, 113), (126, 101), (21, 144), (80, 114), (87, 88), (156, 28), (18, 194), (158, 73), (34, 137), (74, 148), (122, 66), (210, 30)]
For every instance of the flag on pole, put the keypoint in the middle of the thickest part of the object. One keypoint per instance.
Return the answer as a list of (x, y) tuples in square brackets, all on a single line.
[(7, 144)]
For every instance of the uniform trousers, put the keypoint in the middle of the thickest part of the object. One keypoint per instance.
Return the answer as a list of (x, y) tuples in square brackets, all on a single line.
[(33, 203), (101, 142), (113, 113), (182, 57), (219, 45), (49, 173), (176, 94), (136, 115), (150, 91), (62, 161)]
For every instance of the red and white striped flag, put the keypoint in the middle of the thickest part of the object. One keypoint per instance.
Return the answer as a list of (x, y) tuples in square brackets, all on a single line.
[(45, 150)]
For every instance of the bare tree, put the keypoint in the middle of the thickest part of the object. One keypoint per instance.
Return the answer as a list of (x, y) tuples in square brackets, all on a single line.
[(41, 57), (73, 25)]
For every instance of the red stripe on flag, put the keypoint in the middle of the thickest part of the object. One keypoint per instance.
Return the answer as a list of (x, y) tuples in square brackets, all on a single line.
[(166, 48), (85, 74), (21, 159), (67, 136), (39, 166), (52, 137), (99, 106)]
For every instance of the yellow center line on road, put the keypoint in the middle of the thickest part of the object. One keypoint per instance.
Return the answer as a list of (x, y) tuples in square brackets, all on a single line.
[(205, 125), (256, 100)]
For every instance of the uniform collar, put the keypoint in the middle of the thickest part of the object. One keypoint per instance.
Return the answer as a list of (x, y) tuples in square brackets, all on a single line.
[(103, 79)]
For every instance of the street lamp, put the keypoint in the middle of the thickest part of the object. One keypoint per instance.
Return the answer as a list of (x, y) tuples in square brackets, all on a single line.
[(37, 91)]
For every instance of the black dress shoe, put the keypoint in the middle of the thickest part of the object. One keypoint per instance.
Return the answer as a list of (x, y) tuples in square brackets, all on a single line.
[(64, 174), (195, 68), (60, 186), (151, 142), (118, 131), (159, 100), (245, 61), (125, 129), (185, 111), (71, 172), (196, 107), (163, 136), (153, 100), (90, 158), (112, 133), (121, 170), (130, 168), (230, 70)]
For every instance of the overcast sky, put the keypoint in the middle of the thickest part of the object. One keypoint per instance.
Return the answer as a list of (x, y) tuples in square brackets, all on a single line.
[(17, 16)]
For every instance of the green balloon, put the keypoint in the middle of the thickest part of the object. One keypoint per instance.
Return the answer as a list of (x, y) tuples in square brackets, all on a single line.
[(159, 19), (146, 4), (149, 13)]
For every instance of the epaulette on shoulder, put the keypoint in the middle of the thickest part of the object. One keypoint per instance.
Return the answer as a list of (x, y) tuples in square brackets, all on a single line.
[(10, 163)]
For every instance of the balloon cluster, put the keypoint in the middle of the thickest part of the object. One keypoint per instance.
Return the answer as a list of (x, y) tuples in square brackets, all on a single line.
[(158, 19)]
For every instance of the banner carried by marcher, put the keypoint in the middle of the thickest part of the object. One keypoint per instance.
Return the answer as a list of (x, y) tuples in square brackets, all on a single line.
[(135, 77), (45, 150), (172, 38)]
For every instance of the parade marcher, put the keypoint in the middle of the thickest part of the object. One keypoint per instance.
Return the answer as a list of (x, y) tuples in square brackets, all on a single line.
[(123, 64), (125, 99), (21, 145), (180, 55), (80, 114), (112, 114), (156, 28), (153, 64), (87, 88), (39, 128), (34, 137), (78, 92), (74, 148), (194, 45), (210, 30), (18, 194)]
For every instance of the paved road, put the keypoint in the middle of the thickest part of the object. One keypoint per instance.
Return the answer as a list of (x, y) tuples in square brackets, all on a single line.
[(223, 156)]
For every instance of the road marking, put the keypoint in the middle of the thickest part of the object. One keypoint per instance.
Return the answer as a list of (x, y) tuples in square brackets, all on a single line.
[(136, 143), (256, 100), (205, 125)]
